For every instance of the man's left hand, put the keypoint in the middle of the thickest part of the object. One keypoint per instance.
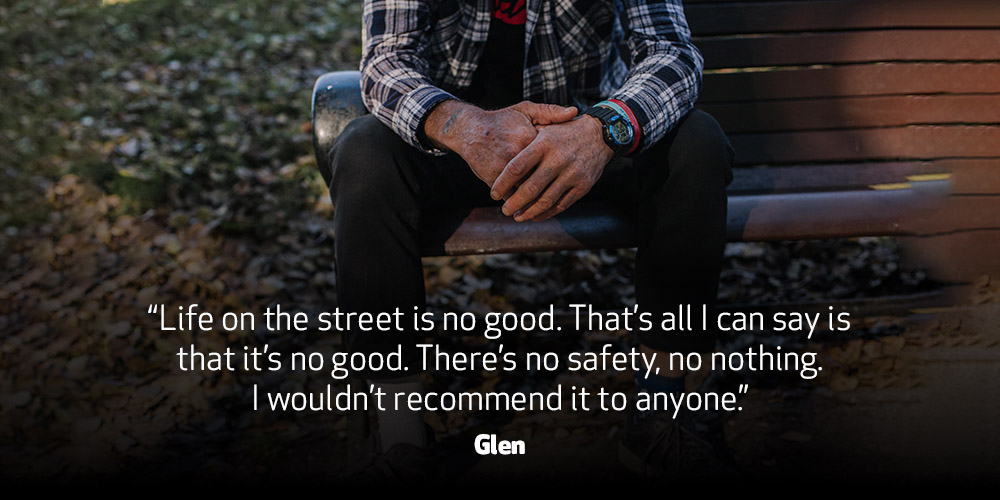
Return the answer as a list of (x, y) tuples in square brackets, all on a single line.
[(561, 164)]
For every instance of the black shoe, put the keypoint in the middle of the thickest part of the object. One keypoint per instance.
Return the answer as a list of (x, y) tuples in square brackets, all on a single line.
[(657, 446)]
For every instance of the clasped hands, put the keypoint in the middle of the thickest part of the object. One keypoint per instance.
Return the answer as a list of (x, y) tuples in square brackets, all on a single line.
[(538, 158)]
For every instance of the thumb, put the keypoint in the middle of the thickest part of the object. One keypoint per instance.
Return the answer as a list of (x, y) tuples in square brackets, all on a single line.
[(544, 114)]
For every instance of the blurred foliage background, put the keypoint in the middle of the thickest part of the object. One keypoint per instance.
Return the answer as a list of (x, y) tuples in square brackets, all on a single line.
[(173, 103)]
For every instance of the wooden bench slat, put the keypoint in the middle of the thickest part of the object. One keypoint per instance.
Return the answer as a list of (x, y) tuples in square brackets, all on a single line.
[(956, 257), (855, 112), (832, 215), (967, 176), (850, 47), (972, 176), (852, 80), (960, 213), (485, 230), (785, 16), (918, 142), (835, 177)]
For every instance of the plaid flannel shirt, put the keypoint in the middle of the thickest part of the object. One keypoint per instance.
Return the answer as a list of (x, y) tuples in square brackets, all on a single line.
[(417, 53)]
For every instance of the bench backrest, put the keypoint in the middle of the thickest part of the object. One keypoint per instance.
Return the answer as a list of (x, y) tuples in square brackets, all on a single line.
[(849, 94), (855, 81)]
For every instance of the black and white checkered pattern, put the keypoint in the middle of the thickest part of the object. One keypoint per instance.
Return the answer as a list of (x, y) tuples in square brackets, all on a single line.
[(419, 52)]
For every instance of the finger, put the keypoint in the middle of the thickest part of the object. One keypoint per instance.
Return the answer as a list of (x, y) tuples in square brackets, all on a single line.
[(531, 189), (567, 200), (517, 168), (545, 201), (543, 114), (510, 193)]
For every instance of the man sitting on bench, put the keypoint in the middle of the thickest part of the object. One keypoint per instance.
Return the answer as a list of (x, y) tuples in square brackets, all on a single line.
[(473, 108)]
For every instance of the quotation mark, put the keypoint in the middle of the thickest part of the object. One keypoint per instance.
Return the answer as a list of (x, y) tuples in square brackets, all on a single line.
[(153, 309)]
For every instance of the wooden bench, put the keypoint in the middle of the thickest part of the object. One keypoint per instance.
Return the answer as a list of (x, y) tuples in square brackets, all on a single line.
[(849, 118)]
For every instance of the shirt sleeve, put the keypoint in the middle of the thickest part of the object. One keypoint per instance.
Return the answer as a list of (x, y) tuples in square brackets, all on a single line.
[(394, 82), (664, 78)]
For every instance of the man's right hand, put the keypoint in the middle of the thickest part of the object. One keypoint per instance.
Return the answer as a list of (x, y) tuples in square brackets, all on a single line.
[(488, 140)]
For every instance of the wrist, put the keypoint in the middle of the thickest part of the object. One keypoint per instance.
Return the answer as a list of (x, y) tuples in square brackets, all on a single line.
[(595, 134), (444, 123)]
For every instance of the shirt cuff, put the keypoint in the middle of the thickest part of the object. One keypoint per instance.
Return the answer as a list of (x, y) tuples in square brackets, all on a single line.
[(413, 111)]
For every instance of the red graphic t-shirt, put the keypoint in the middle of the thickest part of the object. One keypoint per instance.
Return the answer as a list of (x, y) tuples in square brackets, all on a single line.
[(510, 11)]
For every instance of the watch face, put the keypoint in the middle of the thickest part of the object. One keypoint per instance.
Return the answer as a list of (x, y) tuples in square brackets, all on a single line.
[(621, 132)]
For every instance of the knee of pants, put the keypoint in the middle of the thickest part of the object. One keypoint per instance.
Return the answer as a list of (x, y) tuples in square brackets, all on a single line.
[(367, 167), (701, 150)]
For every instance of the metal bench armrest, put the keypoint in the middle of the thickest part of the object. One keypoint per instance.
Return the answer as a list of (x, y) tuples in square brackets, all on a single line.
[(336, 100)]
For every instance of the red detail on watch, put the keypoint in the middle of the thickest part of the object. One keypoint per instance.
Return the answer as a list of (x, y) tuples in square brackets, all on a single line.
[(636, 129)]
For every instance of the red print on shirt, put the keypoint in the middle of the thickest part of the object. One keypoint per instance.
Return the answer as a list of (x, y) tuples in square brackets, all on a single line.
[(510, 11)]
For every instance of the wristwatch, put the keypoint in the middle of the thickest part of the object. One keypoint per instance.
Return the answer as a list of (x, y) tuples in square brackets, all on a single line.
[(617, 130)]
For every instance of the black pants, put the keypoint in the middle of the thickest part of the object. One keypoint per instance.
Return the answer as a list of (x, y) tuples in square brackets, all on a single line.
[(381, 186)]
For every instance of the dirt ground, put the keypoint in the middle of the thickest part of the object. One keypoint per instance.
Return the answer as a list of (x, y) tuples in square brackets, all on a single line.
[(91, 388)]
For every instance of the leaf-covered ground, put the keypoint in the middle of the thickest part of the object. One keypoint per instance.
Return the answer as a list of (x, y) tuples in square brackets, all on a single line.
[(159, 151)]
